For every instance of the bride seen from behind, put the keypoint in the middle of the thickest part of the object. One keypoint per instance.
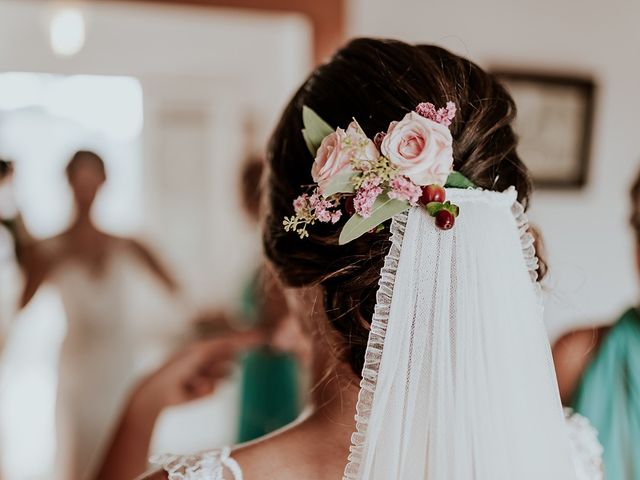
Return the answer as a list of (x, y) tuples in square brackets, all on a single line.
[(438, 309)]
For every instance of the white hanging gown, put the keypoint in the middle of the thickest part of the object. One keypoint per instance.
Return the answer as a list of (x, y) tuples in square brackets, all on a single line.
[(10, 284), (119, 324)]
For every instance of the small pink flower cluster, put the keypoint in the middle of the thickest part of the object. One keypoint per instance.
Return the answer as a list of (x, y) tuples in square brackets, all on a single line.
[(442, 115), (404, 189), (315, 206), (366, 196)]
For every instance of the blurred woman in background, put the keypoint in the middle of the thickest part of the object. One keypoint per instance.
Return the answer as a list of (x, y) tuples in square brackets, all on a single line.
[(598, 372), (98, 276)]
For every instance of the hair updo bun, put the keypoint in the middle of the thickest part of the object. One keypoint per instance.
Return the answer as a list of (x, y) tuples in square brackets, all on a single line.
[(378, 81)]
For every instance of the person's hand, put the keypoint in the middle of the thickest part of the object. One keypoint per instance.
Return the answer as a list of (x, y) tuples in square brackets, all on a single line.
[(208, 323), (192, 373)]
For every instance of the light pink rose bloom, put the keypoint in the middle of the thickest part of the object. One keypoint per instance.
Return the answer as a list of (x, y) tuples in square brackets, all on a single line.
[(363, 148), (420, 148), (336, 152)]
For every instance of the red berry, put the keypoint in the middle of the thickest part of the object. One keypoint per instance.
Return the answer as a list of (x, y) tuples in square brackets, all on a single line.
[(445, 219), (432, 193), (348, 206)]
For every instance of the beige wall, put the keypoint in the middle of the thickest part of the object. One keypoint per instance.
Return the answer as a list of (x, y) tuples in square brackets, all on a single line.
[(589, 243)]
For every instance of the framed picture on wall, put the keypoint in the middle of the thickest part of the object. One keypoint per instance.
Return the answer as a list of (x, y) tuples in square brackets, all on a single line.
[(554, 124)]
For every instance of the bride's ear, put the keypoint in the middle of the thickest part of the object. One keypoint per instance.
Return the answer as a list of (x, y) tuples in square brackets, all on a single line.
[(327, 345)]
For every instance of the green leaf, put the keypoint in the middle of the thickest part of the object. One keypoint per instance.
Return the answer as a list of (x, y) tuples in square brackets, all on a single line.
[(383, 209), (315, 129), (451, 207), (340, 183), (434, 207), (313, 149), (457, 180)]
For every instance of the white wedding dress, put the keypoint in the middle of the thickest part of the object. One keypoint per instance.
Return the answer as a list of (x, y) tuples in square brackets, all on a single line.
[(120, 323), (10, 284), (211, 465)]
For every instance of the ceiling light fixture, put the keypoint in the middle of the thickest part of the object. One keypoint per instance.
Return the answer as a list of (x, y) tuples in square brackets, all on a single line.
[(67, 32)]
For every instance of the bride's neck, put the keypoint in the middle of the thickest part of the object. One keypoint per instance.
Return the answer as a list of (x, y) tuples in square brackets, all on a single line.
[(320, 441), (334, 393)]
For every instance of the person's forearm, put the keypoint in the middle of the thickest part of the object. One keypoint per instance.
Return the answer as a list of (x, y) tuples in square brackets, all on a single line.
[(126, 456)]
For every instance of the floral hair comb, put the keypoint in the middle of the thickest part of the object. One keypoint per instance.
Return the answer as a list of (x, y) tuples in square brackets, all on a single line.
[(372, 180)]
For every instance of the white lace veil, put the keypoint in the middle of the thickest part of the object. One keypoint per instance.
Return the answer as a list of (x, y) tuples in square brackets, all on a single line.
[(458, 381)]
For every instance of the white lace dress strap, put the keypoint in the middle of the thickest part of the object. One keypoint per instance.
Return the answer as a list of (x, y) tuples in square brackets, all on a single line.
[(586, 449), (210, 465)]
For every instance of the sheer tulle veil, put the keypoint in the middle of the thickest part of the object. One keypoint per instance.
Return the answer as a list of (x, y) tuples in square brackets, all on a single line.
[(458, 381)]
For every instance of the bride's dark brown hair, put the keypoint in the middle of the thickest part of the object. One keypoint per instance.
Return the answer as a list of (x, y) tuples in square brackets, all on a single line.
[(376, 82)]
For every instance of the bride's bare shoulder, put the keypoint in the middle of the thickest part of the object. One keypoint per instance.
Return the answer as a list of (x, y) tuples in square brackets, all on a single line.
[(572, 353), (294, 453)]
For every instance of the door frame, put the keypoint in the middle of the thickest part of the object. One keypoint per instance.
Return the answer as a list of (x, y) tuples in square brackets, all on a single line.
[(327, 17)]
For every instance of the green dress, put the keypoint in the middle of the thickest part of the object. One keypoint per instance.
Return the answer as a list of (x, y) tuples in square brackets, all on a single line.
[(270, 397), (609, 396), (269, 393)]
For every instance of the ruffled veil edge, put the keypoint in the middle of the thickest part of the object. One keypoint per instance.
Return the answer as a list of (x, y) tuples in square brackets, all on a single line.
[(458, 380)]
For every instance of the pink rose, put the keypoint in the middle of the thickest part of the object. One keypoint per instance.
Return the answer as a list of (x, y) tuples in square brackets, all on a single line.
[(338, 150), (362, 148), (420, 148)]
